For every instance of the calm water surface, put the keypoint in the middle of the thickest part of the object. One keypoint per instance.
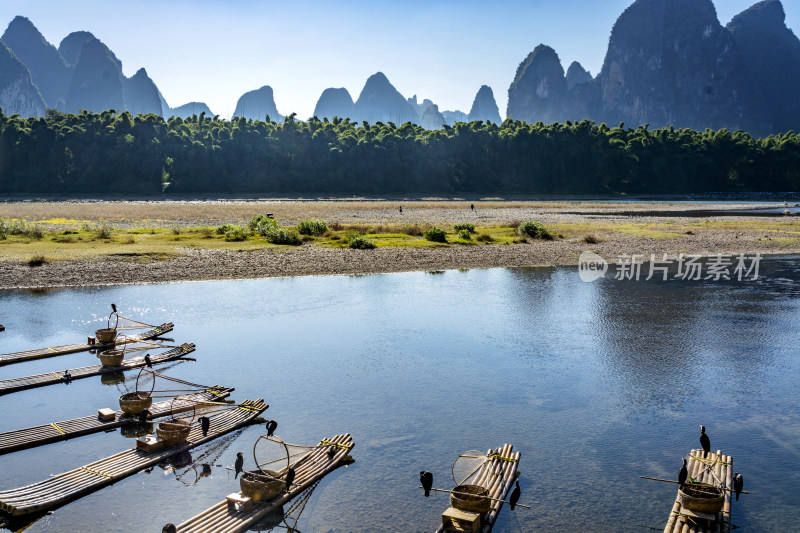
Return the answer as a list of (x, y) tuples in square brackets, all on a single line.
[(596, 384)]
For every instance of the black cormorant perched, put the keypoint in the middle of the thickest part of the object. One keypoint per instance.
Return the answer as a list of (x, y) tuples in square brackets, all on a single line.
[(704, 441), (205, 423), (272, 425), (239, 464), (426, 478), (289, 478), (683, 474), (67, 377), (514, 498), (114, 308), (148, 361), (331, 452), (170, 528), (738, 484), (143, 416)]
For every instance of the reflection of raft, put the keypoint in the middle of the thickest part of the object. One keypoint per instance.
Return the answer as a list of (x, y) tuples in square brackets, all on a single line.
[(231, 517)]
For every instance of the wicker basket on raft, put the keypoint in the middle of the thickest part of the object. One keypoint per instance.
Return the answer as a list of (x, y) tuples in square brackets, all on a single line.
[(173, 432), (261, 485), (106, 335), (111, 358), (133, 403), (701, 498), (471, 498)]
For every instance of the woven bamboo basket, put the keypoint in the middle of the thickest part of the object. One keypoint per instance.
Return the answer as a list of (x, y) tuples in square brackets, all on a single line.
[(701, 498), (111, 358), (472, 498), (106, 334), (133, 403), (261, 485), (173, 432)]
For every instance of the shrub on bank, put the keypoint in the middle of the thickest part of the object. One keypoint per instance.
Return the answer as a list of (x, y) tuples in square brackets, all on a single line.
[(470, 228), (361, 243), (312, 227), (278, 235), (534, 230), (236, 233), (465, 234), (436, 235)]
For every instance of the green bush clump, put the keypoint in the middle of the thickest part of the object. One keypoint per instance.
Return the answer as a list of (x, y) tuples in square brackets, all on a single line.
[(283, 236), (265, 225), (225, 228), (312, 227), (236, 233), (534, 230), (470, 228), (257, 220), (361, 243), (19, 227), (436, 235), (103, 232), (464, 234)]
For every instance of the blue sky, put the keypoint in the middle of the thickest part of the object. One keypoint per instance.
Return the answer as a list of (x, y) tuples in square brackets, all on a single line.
[(214, 51)]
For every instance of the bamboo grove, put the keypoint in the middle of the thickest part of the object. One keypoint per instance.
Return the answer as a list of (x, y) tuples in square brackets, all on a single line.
[(120, 154)]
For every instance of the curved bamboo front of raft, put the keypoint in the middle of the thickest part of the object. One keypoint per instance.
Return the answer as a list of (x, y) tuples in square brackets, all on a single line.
[(68, 486), (498, 476), (716, 469), (222, 518)]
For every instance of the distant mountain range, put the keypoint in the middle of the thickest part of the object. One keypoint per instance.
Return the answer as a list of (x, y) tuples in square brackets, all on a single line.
[(668, 63)]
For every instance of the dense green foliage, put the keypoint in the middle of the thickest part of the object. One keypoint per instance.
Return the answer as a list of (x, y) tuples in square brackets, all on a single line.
[(469, 228), (360, 243), (117, 153), (436, 235), (312, 227), (534, 230)]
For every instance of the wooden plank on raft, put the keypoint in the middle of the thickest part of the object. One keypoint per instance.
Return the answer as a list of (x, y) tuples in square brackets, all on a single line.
[(51, 378), (714, 469), (497, 474), (226, 518), (63, 488), (41, 353), (31, 437)]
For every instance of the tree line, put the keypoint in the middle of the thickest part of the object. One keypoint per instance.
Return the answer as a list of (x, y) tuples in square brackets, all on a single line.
[(119, 153)]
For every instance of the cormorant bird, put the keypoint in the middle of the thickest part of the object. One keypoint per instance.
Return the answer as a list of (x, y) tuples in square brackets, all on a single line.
[(289, 478), (143, 416), (683, 474), (114, 307), (514, 498), (205, 423), (704, 441), (170, 528), (426, 478), (239, 464), (331, 452), (67, 377), (272, 425), (148, 361), (738, 484)]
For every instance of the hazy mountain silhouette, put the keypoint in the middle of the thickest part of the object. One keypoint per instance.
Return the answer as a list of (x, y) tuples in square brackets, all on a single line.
[(334, 103), (484, 107), (18, 94), (48, 69), (451, 117), (772, 54), (141, 94), (187, 110), (257, 105), (379, 101), (577, 75)]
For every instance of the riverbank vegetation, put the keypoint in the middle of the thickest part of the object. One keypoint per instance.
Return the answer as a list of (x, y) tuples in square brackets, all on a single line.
[(119, 154)]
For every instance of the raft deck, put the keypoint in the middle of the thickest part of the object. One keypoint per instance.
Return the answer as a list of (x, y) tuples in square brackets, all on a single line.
[(716, 469), (498, 476), (68, 486), (31, 437), (51, 378), (226, 518), (41, 353)]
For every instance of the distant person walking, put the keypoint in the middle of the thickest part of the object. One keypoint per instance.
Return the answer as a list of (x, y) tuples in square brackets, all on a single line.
[(472, 206), (401, 209)]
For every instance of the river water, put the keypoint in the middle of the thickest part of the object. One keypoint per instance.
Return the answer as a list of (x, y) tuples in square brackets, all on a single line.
[(594, 383)]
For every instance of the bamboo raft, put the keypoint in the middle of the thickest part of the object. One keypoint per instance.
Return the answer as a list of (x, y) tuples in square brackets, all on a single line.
[(226, 518), (497, 476), (41, 353), (40, 380), (31, 437), (716, 469), (63, 488)]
